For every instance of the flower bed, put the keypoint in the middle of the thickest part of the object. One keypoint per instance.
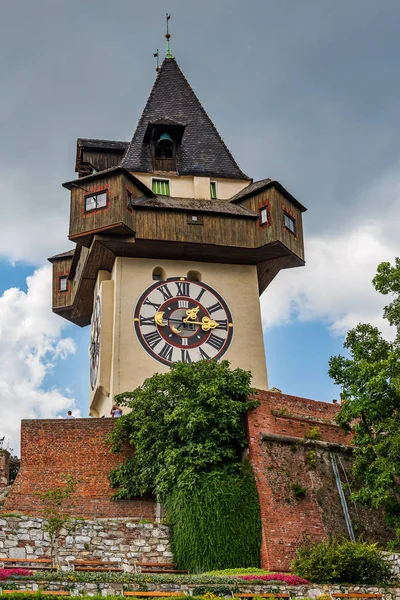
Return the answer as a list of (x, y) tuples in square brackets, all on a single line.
[(7, 573)]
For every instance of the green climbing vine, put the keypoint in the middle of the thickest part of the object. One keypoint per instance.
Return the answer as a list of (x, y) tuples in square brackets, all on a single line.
[(187, 428)]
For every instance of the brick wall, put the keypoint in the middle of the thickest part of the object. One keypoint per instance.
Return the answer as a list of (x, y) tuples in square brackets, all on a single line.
[(76, 447), (285, 520)]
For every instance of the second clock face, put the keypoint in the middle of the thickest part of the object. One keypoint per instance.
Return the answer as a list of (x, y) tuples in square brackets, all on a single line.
[(180, 320)]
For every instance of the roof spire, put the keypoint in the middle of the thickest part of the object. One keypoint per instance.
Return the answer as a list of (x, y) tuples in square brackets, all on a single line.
[(167, 37)]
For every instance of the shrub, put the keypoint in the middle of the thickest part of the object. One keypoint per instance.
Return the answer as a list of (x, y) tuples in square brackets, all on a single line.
[(342, 561), (289, 579), (299, 490), (240, 571)]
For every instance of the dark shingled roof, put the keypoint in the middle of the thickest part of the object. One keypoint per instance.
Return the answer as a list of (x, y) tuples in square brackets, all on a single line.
[(68, 254), (194, 205), (102, 144), (105, 173), (202, 151), (257, 186)]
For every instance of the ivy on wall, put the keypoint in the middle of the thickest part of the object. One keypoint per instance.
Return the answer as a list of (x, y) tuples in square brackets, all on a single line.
[(187, 428)]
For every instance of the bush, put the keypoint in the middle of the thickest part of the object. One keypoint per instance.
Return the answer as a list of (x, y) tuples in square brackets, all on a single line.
[(342, 561), (240, 571)]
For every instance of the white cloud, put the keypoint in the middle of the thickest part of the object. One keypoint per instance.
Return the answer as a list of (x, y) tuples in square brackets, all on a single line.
[(31, 342), (335, 285)]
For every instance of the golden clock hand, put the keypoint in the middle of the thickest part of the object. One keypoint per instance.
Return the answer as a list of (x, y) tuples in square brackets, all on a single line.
[(191, 313), (206, 323), (158, 318)]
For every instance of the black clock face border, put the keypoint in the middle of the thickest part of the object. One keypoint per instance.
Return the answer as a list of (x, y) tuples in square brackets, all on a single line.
[(183, 320), (94, 347)]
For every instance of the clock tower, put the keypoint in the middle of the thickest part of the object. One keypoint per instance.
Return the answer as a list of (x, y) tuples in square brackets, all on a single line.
[(174, 244)]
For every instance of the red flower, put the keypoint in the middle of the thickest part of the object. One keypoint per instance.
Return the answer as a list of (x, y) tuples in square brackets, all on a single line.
[(6, 573), (289, 579)]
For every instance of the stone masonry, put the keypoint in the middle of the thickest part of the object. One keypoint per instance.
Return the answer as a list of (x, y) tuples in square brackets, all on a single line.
[(119, 540)]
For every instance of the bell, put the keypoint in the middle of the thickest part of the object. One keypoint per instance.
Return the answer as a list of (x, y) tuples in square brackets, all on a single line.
[(164, 137)]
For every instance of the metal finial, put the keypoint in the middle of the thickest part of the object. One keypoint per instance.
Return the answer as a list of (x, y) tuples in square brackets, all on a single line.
[(167, 37), (156, 55)]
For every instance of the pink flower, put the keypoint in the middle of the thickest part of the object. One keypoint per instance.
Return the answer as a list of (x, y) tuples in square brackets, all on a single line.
[(6, 573), (289, 579)]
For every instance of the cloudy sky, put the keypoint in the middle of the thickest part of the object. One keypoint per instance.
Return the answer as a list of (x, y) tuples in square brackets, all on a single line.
[(303, 91)]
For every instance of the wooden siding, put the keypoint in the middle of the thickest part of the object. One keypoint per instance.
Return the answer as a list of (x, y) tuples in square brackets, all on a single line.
[(114, 215), (277, 204), (100, 160), (61, 268), (174, 226)]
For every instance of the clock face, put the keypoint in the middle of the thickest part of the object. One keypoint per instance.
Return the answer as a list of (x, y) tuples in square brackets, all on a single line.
[(181, 320), (94, 347)]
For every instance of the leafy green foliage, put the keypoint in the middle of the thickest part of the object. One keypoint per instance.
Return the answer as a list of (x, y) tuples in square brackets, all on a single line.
[(313, 434), (187, 428), (370, 380), (342, 561), (182, 424), (218, 523), (240, 571), (54, 504), (298, 490)]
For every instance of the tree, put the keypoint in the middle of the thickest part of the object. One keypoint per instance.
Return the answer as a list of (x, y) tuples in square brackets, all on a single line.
[(182, 423), (370, 380), (187, 429), (54, 504)]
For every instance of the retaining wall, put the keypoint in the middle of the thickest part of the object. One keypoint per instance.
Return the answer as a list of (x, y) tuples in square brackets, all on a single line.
[(119, 540)]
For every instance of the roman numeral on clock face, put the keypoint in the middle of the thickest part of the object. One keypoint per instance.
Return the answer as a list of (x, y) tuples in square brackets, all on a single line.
[(215, 341), (166, 352), (203, 354), (200, 295), (146, 320), (165, 292), (222, 324), (185, 356), (213, 308), (183, 288), (153, 304), (152, 339)]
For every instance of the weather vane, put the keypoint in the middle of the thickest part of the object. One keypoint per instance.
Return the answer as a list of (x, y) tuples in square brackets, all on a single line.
[(156, 55), (167, 37)]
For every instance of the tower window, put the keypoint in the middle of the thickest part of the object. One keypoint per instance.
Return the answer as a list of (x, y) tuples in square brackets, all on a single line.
[(95, 201), (195, 219), (63, 283), (289, 222), (213, 190), (159, 274), (160, 187), (264, 216)]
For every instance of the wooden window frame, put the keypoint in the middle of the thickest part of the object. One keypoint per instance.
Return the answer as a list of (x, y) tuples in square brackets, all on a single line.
[(156, 179), (213, 183), (62, 278), (268, 221), (287, 214), (97, 208), (197, 221)]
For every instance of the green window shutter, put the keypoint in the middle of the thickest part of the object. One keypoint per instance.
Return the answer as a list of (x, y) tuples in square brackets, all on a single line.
[(161, 187), (213, 190)]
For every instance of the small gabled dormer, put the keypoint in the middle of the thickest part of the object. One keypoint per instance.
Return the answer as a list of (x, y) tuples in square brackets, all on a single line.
[(164, 138)]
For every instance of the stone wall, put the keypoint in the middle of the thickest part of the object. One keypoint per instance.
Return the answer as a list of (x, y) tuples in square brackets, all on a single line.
[(282, 457), (53, 448), (117, 589), (119, 540)]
